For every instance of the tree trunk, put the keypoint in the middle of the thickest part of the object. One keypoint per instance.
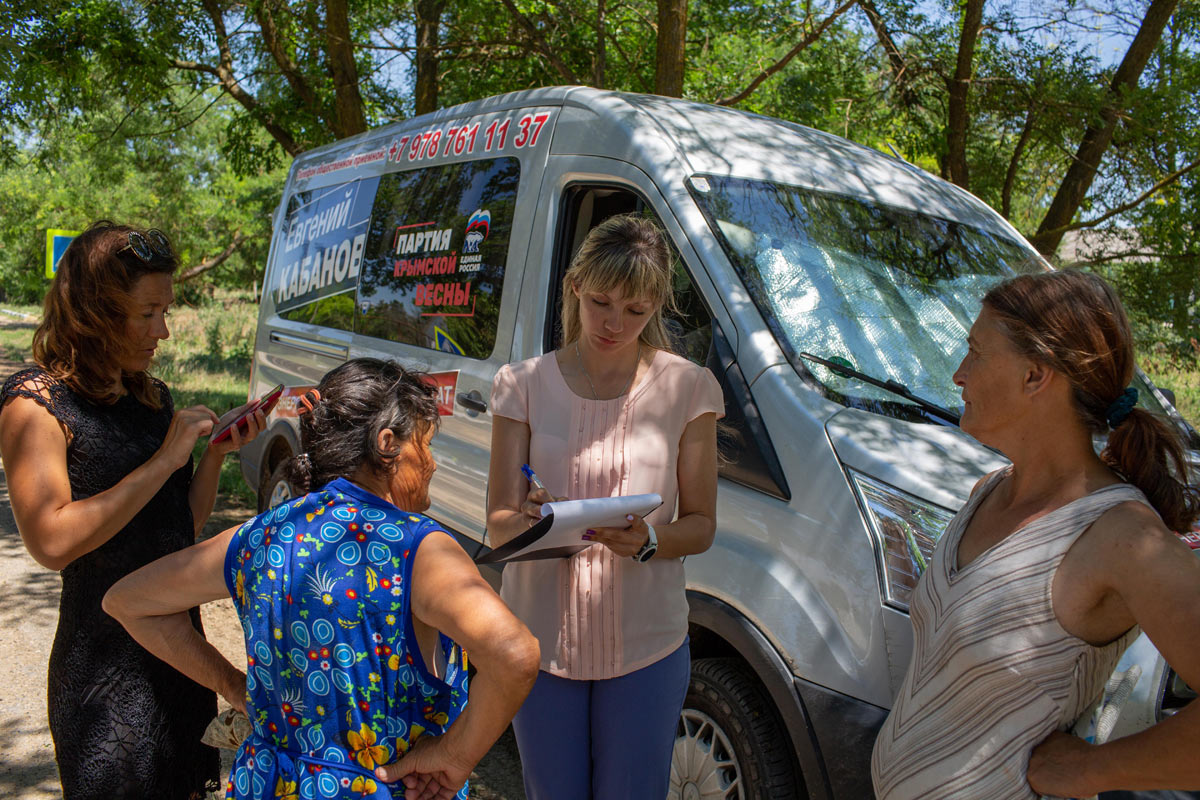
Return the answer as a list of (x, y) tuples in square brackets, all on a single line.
[(600, 63), (955, 166), (1099, 133), (540, 44), (217, 260), (429, 13), (808, 39), (224, 73), (900, 72), (1179, 313), (670, 55), (348, 116), (1010, 176)]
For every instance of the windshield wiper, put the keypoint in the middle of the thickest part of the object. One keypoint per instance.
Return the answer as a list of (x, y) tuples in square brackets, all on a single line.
[(893, 386)]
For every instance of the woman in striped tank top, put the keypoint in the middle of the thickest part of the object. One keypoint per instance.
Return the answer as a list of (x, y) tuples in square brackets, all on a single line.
[(1044, 577)]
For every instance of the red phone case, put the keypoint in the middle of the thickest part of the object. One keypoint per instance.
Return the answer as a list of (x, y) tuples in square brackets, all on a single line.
[(266, 403)]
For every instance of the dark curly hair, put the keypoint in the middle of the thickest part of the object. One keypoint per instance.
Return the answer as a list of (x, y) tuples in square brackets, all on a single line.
[(359, 400)]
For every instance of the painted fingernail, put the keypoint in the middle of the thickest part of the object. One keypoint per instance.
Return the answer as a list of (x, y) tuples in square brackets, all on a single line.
[(586, 538), (590, 532), (629, 517)]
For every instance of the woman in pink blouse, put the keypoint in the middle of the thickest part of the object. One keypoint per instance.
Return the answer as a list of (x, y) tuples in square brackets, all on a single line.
[(611, 412)]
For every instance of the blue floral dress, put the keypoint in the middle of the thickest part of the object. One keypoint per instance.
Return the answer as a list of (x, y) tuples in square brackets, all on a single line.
[(335, 682)]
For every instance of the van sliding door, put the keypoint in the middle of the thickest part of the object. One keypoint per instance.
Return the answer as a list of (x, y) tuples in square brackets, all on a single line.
[(438, 291)]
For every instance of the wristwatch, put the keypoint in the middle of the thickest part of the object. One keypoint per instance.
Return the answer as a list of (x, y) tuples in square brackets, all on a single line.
[(649, 548)]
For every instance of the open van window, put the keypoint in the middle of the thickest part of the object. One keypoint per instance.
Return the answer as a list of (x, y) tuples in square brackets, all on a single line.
[(584, 207), (890, 292)]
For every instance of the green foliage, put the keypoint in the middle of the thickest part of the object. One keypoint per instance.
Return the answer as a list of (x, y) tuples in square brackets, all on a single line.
[(1165, 281), (177, 181), (16, 332), (206, 361), (1179, 373), (182, 115)]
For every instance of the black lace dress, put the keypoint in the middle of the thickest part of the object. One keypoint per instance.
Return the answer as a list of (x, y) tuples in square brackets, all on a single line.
[(125, 724)]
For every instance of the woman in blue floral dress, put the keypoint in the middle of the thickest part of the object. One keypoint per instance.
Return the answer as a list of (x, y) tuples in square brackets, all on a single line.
[(358, 612)]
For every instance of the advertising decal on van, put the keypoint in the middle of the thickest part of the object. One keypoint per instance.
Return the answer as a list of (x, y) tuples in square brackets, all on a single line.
[(477, 230), (466, 138), (356, 160), (445, 383), (456, 139), (435, 255), (324, 244), (421, 242), (478, 227)]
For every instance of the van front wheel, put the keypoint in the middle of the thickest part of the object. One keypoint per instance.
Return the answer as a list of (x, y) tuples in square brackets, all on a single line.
[(729, 744), (276, 488)]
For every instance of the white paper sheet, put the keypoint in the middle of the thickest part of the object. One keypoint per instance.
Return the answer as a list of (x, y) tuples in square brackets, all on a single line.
[(560, 532)]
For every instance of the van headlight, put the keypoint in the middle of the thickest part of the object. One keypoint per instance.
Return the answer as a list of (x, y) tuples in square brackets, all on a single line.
[(905, 529)]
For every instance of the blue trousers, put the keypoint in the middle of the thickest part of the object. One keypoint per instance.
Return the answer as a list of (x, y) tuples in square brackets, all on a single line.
[(603, 740)]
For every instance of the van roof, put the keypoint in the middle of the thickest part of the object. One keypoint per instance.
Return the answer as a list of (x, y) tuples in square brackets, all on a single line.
[(708, 139)]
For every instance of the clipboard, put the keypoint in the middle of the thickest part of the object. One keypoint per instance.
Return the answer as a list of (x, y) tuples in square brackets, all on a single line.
[(559, 532)]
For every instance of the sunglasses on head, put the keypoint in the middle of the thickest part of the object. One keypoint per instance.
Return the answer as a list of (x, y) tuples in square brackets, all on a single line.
[(148, 245)]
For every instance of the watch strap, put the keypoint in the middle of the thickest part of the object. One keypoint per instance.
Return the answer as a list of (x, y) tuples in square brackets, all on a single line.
[(649, 548)]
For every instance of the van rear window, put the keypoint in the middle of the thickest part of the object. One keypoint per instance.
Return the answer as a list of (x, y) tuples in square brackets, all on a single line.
[(435, 254)]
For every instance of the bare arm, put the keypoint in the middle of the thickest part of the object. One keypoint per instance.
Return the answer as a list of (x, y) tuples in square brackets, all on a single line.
[(1155, 581), (202, 493), (57, 530), (450, 595), (512, 504), (693, 531), (152, 603)]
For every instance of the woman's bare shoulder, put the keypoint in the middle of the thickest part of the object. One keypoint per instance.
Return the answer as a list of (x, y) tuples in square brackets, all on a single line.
[(1132, 532)]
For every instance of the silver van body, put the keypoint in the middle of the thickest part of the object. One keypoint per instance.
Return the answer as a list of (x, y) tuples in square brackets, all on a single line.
[(833, 488)]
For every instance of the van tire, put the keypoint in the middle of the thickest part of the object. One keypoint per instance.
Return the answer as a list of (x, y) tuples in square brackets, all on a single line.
[(729, 731), (276, 488)]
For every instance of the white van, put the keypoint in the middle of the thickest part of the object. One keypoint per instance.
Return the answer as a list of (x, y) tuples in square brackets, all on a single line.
[(806, 265)]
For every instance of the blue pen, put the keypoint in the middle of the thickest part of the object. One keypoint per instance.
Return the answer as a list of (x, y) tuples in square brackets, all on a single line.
[(532, 477)]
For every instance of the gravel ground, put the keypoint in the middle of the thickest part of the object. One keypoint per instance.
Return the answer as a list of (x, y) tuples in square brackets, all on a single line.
[(28, 618)]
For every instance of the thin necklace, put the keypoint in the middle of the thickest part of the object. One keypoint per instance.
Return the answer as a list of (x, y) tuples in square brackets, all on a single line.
[(592, 386)]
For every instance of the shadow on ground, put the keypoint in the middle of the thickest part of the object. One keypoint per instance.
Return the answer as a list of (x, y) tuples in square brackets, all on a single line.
[(29, 776), (34, 598)]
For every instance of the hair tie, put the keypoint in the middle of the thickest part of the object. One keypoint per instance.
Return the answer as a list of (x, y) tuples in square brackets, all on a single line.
[(1120, 408), (308, 400)]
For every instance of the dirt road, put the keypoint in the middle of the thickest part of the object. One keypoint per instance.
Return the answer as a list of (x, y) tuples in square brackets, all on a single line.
[(28, 618)]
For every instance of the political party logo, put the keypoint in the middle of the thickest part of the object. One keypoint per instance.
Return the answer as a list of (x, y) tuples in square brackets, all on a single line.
[(478, 226)]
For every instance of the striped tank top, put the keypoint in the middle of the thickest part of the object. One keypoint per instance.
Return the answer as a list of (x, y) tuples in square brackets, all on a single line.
[(993, 673)]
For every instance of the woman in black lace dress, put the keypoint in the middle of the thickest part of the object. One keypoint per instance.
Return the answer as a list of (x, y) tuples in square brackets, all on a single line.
[(99, 474)]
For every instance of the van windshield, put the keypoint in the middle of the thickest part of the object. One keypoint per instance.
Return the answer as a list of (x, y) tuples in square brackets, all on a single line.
[(889, 292)]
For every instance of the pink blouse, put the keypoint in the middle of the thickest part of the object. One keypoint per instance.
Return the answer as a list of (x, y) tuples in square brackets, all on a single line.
[(595, 614)]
